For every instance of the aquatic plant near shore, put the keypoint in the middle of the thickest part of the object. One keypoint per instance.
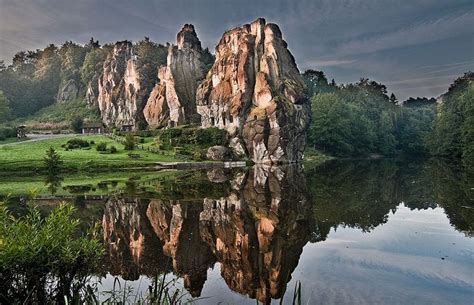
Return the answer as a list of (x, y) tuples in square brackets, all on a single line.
[(46, 260)]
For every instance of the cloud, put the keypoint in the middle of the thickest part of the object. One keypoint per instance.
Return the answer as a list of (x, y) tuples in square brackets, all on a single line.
[(327, 63), (426, 32)]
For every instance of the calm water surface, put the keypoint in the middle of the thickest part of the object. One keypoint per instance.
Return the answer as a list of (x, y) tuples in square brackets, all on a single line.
[(368, 232)]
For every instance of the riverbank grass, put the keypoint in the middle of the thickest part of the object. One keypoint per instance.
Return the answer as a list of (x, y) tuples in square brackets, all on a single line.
[(28, 156)]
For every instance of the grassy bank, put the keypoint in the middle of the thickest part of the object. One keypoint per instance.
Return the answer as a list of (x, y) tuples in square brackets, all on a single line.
[(89, 183), (28, 156)]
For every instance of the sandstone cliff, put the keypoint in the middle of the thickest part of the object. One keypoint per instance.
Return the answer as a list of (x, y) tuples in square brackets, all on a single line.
[(173, 97), (121, 97), (255, 91)]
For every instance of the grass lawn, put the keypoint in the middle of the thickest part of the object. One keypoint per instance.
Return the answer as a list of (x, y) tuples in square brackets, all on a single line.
[(12, 140), (29, 155)]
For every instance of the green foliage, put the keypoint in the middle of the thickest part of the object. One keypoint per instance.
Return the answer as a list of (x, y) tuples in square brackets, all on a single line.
[(44, 260), (208, 60), (101, 146), (113, 149), (7, 132), (149, 56), (52, 161), (76, 144), (201, 137), (91, 65), (77, 124), (316, 82), (129, 143), (341, 125), (4, 108), (453, 131), (414, 126), (63, 114), (210, 136)]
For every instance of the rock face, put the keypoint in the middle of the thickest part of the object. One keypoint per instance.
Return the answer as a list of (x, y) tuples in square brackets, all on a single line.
[(217, 153), (255, 91), (173, 97), (120, 96), (68, 91)]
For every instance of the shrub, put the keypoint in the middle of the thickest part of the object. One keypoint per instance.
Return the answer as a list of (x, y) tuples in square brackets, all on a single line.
[(7, 132), (76, 143), (210, 136), (113, 149), (129, 142), (101, 147), (77, 124), (207, 137), (42, 260), (92, 142)]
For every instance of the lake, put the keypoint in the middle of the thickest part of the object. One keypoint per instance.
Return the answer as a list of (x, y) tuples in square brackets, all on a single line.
[(351, 232)]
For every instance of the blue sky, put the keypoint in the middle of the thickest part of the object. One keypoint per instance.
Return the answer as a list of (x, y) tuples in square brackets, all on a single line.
[(416, 47)]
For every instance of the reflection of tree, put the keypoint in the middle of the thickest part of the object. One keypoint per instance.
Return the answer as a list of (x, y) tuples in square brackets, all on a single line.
[(53, 183), (360, 194), (453, 191), (353, 194)]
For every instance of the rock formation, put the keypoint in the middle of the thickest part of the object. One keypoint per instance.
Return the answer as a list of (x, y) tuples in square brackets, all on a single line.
[(121, 97), (255, 91), (68, 91), (173, 97)]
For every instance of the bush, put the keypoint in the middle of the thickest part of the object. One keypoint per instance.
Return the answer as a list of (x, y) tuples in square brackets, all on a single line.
[(92, 142), (7, 132), (113, 149), (42, 259), (207, 137), (129, 142), (77, 124), (76, 143), (101, 147), (210, 136)]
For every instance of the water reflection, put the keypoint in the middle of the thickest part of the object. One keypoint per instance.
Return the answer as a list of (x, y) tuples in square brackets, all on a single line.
[(256, 231), (255, 223)]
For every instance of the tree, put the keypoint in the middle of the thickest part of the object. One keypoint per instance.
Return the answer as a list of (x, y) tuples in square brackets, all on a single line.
[(316, 82), (393, 99), (453, 132), (4, 108), (77, 124), (52, 161)]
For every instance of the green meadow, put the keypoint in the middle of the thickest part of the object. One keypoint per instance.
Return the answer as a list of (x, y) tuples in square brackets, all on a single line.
[(28, 156)]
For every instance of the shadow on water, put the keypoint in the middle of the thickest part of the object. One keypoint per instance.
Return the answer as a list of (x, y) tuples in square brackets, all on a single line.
[(256, 222)]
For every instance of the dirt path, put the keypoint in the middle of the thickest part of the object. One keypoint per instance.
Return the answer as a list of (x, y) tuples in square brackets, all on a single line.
[(39, 137)]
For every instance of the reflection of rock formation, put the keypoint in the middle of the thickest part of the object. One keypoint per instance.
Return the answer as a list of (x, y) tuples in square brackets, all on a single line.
[(258, 232), (178, 227), (133, 247)]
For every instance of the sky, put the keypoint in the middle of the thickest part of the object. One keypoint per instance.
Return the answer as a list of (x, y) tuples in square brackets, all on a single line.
[(414, 47)]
